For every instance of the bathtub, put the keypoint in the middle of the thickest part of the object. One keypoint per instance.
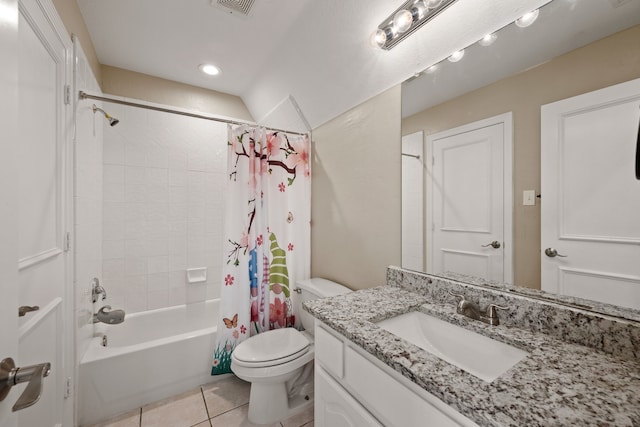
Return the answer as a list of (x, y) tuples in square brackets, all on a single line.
[(151, 356)]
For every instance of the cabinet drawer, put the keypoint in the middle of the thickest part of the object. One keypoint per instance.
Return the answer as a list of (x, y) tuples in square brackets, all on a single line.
[(329, 352), (390, 401)]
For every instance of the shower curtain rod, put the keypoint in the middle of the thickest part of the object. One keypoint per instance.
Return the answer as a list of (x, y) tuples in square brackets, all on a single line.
[(84, 95)]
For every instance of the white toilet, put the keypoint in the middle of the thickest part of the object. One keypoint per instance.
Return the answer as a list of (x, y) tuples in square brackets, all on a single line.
[(279, 363)]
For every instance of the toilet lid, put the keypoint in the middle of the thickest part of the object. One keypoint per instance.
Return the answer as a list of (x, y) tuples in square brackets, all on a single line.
[(271, 347)]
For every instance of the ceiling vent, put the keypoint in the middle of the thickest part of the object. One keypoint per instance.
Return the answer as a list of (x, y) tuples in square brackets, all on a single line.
[(234, 7)]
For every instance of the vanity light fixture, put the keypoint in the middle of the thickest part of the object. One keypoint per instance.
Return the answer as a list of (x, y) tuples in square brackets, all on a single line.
[(410, 16), (209, 69), (527, 19)]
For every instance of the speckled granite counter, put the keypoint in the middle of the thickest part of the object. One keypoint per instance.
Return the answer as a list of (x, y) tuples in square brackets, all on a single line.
[(560, 383)]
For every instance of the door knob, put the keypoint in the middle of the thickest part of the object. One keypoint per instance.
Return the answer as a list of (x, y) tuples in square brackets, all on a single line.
[(551, 253), (10, 376), (495, 245)]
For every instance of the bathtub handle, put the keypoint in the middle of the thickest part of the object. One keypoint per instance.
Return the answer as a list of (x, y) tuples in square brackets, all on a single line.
[(10, 376)]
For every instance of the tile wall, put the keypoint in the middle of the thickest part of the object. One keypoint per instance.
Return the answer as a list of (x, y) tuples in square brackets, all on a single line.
[(163, 186)]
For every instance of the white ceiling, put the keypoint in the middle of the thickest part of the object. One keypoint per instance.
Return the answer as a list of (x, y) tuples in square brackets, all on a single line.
[(316, 51)]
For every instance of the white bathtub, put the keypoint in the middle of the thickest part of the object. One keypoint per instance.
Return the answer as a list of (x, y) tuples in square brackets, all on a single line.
[(152, 355)]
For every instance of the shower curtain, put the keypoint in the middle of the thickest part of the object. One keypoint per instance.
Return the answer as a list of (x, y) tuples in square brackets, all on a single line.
[(266, 235)]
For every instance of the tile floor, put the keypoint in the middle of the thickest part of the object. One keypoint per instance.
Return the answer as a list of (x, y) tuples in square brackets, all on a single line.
[(224, 403)]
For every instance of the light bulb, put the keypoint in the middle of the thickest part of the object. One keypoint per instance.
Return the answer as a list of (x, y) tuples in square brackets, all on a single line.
[(488, 40), (456, 56), (418, 10), (432, 4), (402, 20), (209, 69), (379, 38), (527, 19)]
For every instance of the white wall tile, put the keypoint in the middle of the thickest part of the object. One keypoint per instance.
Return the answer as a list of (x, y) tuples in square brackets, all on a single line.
[(163, 181)]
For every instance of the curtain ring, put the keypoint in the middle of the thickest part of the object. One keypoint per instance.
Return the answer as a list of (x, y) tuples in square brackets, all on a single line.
[(290, 218)]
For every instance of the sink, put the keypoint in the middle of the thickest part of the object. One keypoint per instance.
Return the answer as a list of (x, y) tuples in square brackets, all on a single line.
[(476, 354)]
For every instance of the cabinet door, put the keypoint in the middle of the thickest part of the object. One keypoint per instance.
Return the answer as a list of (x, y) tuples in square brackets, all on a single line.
[(334, 407)]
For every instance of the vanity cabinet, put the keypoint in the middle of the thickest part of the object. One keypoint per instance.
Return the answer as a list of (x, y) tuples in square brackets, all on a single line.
[(353, 388)]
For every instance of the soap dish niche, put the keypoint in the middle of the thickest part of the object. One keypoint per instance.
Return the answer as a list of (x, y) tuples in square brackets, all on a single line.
[(197, 275)]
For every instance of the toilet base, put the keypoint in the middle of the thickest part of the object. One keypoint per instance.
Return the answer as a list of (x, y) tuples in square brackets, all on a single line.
[(272, 402)]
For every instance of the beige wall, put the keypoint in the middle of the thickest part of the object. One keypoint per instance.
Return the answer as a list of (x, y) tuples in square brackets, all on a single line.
[(355, 193), (72, 18), (116, 81), (612, 60)]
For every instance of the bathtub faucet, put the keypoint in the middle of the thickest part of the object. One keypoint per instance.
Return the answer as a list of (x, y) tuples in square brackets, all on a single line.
[(97, 289), (108, 316)]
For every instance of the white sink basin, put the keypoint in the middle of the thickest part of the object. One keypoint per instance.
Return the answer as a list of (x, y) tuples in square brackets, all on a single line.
[(478, 355)]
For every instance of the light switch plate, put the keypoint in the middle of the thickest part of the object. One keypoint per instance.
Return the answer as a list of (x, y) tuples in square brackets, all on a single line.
[(529, 198)]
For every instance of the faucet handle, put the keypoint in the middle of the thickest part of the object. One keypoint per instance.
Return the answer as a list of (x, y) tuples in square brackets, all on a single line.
[(456, 295), (491, 311)]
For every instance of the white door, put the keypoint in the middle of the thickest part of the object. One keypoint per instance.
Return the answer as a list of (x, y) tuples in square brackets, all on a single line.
[(590, 196), (413, 201), (8, 194), (469, 200), (35, 216)]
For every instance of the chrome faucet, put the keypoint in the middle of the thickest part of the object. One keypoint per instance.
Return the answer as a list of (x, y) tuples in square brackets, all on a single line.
[(469, 309), (96, 290), (108, 316)]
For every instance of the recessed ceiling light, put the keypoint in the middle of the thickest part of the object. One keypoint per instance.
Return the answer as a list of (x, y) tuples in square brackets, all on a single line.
[(488, 40), (527, 19), (209, 69), (456, 56)]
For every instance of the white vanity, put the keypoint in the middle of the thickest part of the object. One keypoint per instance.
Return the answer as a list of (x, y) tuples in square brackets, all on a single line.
[(353, 388), (555, 364)]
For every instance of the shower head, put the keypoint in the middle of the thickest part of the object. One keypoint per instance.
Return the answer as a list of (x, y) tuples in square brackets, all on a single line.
[(112, 120)]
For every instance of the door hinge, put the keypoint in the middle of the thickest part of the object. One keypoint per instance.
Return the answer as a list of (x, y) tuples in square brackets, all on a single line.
[(68, 388), (67, 95), (67, 241)]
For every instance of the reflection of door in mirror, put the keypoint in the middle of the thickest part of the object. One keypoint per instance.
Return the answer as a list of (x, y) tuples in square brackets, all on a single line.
[(591, 199), (469, 187), (413, 202)]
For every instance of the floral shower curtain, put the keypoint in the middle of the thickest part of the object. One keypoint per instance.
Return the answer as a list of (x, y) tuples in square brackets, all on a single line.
[(266, 235)]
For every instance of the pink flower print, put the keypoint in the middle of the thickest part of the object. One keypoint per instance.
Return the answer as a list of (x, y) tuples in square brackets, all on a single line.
[(259, 239), (301, 155), (228, 347), (228, 280), (244, 240), (235, 334), (281, 187), (273, 142), (290, 247), (243, 330), (278, 313), (216, 362)]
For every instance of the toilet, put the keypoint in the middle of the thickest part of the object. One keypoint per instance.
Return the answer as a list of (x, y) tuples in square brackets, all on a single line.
[(279, 363)]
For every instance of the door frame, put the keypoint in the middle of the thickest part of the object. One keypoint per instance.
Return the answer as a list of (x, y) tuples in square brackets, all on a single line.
[(506, 120)]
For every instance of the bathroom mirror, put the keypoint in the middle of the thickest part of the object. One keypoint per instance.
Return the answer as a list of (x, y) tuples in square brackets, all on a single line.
[(568, 30)]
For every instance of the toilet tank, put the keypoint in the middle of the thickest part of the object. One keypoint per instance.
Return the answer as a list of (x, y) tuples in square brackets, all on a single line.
[(314, 288)]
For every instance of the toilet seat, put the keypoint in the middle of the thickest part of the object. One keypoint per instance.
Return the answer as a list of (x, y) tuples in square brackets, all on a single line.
[(271, 348)]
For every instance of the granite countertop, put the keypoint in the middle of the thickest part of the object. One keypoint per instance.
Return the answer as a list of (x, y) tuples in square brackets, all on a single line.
[(558, 384)]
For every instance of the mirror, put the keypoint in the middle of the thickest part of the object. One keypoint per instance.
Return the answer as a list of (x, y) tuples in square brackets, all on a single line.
[(563, 37)]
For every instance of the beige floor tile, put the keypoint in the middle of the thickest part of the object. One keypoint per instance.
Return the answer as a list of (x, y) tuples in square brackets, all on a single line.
[(225, 395), (237, 418), (203, 424), (130, 419), (301, 419), (185, 410), (309, 424)]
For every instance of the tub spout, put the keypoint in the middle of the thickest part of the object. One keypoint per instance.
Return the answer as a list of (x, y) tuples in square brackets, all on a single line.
[(108, 316)]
